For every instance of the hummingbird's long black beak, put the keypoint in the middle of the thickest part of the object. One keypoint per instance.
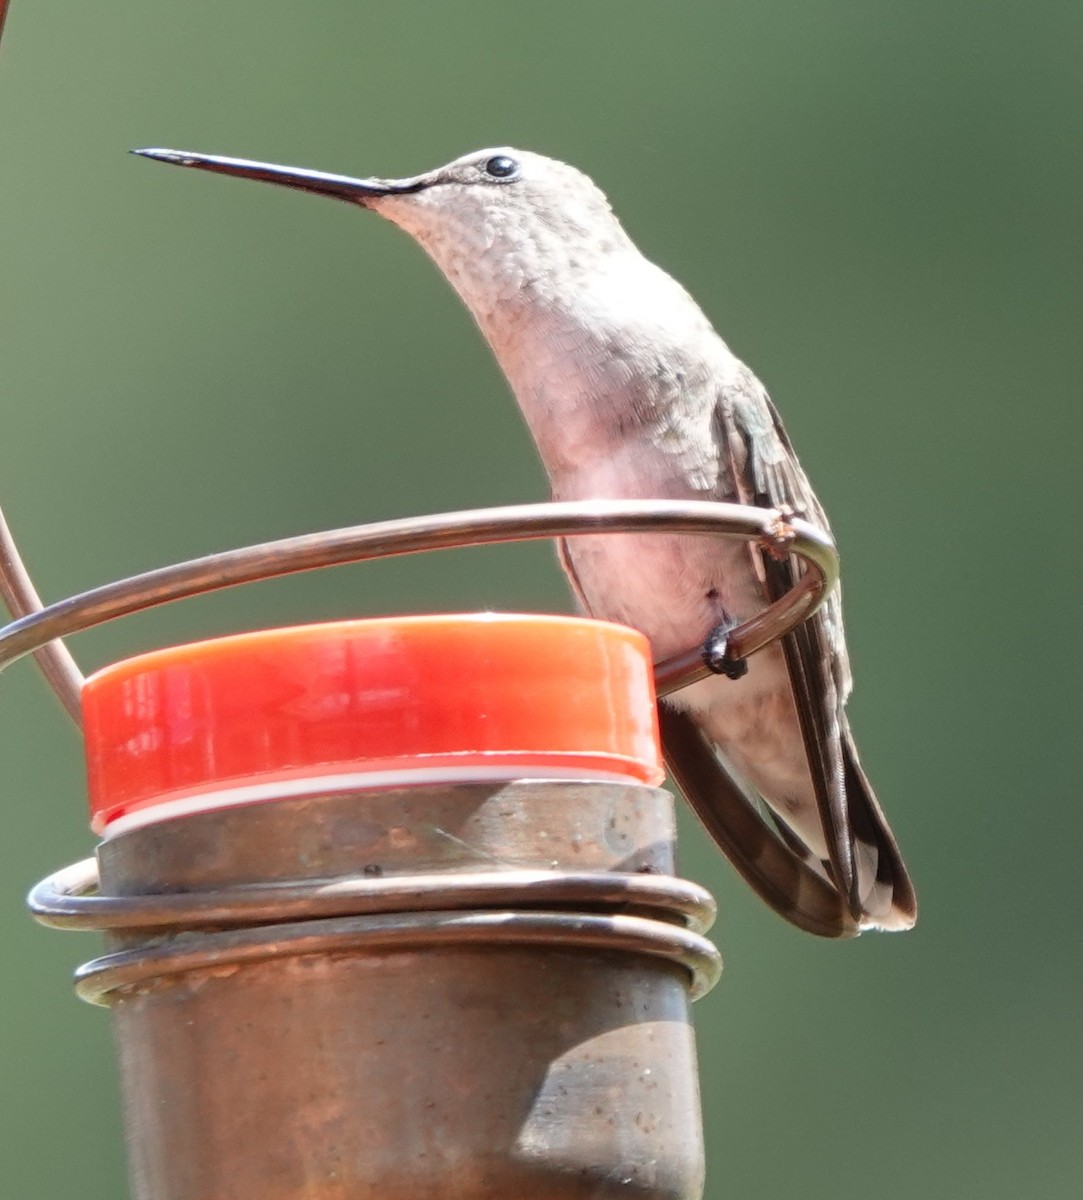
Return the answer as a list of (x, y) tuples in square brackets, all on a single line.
[(344, 187)]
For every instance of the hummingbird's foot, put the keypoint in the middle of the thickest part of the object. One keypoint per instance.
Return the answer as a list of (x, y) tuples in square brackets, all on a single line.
[(716, 653)]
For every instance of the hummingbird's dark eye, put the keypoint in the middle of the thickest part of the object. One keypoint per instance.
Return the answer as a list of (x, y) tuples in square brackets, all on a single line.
[(500, 166)]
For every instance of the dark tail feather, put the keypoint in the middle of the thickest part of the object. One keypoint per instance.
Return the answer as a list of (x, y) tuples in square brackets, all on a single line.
[(890, 903), (793, 888), (864, 857)]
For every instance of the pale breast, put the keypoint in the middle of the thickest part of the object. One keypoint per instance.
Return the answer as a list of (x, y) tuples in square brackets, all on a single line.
[(675, 588)]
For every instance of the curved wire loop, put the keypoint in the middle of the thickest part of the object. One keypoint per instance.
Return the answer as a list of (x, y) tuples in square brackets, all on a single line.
[(71, 899), (779, 532)]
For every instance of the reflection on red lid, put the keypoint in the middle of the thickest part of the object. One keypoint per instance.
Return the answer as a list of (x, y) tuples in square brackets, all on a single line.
[(461, 693)]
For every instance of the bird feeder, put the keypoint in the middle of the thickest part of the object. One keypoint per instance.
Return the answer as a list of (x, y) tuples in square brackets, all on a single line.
[(389, 905)]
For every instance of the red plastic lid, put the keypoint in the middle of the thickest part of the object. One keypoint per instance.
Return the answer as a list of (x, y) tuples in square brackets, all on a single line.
[(421, 698)]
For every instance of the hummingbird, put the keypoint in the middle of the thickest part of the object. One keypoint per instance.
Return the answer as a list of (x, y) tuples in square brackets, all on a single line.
[(629, 393)]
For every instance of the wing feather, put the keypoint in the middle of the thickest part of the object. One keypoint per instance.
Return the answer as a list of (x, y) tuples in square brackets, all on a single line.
[(764, 470)]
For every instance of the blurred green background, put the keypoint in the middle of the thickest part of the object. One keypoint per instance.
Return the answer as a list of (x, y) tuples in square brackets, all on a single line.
[(879, 205)]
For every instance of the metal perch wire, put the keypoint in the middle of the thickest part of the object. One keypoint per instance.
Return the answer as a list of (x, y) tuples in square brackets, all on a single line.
[(37, 629)]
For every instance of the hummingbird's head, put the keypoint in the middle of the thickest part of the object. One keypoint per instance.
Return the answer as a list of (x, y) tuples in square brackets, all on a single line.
[(481, 197), (493, 221)]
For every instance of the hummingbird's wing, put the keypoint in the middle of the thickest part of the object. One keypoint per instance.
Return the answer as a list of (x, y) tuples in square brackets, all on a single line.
[(863, 857)]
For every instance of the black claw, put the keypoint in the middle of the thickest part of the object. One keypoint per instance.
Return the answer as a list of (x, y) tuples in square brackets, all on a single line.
[(717, 656)]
